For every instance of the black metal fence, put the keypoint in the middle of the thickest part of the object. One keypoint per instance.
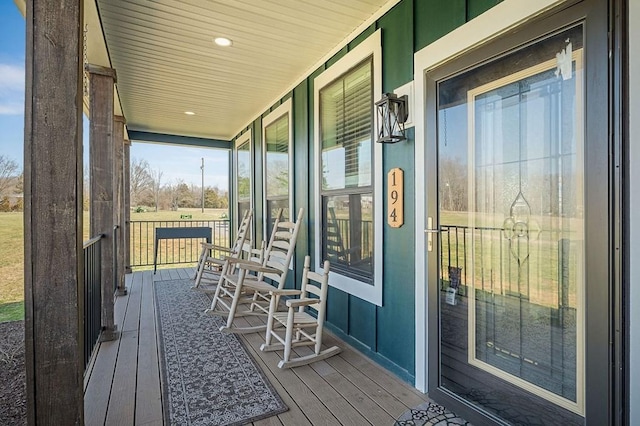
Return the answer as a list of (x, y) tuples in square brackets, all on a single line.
[(341, 238), (181, 250), (92, 295), (541, 268)]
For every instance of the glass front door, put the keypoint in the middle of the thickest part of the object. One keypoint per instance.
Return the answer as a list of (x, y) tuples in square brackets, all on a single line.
[(511, 253)]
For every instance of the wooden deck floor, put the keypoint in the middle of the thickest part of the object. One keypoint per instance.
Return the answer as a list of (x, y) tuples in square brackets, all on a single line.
[(122, 384)]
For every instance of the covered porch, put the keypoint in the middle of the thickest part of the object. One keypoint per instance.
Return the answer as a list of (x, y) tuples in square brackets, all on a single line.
[(122, 382), (295, 104)]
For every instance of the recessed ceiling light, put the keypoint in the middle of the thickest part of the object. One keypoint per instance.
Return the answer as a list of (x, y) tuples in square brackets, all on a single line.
[(190, 113), (222, 41)]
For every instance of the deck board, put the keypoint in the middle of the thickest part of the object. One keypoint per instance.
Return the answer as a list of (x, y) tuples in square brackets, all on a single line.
[(341, 409), (98, 389), (173, 273), (303, 408), (124, 386), (148, 394), (410, 396), (368, 387), (122, 402), (183, 274), (335, 409)]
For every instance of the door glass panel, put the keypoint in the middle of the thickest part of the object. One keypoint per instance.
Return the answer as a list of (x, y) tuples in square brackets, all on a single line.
[(511, 204)]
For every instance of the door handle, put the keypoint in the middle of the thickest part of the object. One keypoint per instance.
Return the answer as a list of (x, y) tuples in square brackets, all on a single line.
[(430, 231)]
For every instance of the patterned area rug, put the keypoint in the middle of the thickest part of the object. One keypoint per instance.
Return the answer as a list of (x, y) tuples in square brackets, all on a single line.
[(429, 414), (208, 377)]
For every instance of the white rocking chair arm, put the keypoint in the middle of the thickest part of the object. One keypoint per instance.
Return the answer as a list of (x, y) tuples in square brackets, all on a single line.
[(251, 266), (216, 247), (214, 260), (285, 292), (294, 303)]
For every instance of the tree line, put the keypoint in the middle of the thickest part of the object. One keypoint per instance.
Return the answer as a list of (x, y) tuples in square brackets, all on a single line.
[(149, 190), (11, 183)]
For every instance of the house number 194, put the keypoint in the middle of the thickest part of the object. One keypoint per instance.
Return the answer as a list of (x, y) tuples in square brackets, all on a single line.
[(395, 198)]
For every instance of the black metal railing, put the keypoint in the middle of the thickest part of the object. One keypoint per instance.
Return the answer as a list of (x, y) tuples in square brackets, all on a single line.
[(539, 268), (115, 240), (360, 249), (172, 251), (92, 295)]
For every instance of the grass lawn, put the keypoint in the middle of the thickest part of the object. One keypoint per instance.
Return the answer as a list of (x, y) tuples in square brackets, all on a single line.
[(11, 266), (196, 214), (12, 253)]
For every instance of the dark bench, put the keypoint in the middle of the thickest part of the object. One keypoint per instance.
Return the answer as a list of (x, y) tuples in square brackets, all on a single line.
[(180, 232)]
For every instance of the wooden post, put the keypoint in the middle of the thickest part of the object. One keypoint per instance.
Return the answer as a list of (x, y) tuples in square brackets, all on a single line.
[(101, 154), (118, 198), (53, 212), (127, 205)]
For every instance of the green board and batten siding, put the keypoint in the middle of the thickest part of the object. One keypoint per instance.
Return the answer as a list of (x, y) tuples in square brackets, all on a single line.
[(395, 329), (386, 333), (301, 178), (435, 18)]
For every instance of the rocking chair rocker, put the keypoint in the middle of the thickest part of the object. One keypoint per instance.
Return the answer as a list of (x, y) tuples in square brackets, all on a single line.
[(307, 327)]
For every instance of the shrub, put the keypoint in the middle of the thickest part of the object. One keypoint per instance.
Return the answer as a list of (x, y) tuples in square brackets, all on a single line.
[(5, 204), (18, 206)]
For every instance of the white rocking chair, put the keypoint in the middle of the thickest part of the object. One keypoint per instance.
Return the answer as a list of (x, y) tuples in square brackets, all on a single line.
[(307, 327), (240, 288), (209, 268)]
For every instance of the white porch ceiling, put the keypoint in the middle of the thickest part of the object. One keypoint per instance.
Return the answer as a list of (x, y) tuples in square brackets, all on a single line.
[(166, 61)]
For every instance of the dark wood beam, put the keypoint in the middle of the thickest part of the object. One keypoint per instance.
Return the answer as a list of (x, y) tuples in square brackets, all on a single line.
[(141, 136), (53, 212), (118, 200), (102, 166)]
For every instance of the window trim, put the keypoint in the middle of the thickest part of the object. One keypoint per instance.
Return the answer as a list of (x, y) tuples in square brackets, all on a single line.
[(284, 109), (371, 47), (245, 138)]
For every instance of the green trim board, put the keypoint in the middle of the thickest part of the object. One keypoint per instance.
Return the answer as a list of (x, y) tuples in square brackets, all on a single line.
[(398, 311), (258, 214), (300, 174), (360, 314), (435, 18), (478, 7), (311, 160), (338, 309), (362, 36), (142, 136), (397, 46)]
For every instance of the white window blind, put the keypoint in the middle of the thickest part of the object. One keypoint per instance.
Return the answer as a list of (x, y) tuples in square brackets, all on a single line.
[(346, 117)]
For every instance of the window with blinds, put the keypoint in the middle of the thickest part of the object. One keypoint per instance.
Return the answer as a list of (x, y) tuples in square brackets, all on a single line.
[(346, 120), (277, 168), (346, 131)]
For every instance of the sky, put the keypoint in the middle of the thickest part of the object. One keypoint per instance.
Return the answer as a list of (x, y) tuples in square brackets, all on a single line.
[(178, 163)]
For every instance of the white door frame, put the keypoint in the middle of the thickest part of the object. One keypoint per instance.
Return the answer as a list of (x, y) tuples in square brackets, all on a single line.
[(486, 27)]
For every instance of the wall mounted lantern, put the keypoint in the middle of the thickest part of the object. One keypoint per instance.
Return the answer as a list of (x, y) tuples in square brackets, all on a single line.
[(392, 114)]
